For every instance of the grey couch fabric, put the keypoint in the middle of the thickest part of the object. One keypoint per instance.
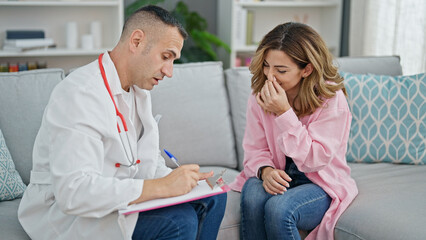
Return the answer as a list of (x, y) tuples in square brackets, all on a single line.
[(23, 97), (203, 120), (390, 203), (196, 120)]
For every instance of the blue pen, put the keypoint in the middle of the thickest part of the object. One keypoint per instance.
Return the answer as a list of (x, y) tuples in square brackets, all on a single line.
[(172, 157)]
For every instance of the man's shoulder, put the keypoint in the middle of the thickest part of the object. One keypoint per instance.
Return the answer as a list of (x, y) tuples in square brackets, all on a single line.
[(87, 74), (87, 77), (84, 81)]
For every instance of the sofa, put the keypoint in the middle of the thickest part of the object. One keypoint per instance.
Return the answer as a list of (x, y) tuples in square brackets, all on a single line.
[(202, 109)]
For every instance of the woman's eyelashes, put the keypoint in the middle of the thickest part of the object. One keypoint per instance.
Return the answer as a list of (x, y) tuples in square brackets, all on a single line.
[(266, 65)]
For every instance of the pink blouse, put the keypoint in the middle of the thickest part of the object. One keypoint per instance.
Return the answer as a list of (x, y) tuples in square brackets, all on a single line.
[(317, 144)]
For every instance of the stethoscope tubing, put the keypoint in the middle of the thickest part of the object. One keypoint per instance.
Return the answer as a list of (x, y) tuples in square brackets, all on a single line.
[(120, 115)]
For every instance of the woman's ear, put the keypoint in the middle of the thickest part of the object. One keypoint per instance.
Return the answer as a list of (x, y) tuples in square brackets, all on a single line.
[(307, 70), (136, 40)]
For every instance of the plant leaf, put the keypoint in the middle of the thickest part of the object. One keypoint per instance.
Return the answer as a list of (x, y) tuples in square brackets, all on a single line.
[(210, 38), (200, 45), (138, 4), (201, 41)]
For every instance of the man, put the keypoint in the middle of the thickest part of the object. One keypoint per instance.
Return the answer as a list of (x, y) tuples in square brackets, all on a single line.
[(84, 170)]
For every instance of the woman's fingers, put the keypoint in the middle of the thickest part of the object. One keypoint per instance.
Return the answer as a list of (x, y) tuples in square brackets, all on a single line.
[(274, 183)]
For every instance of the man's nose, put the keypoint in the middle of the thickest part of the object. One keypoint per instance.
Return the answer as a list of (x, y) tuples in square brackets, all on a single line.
[(168, 70)]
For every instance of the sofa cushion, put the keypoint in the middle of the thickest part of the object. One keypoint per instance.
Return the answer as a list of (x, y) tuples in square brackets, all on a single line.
[(11, 185), (390, 203), (238, 83), (10, 228), (380, 65), (229, 228), (21, 108), (388, 123), (196, 123)]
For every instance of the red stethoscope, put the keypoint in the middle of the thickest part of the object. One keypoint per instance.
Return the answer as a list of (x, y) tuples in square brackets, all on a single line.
[(132, 162)]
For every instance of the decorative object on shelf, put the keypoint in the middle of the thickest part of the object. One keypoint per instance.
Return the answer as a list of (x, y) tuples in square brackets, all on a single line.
[(22, 66), (96, 32), (87, 42), (199, 46), (4, 67), (71, 35), (24, 40), (243, 60)]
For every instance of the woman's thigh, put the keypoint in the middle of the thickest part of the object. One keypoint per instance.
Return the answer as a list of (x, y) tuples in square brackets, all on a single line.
[(253, 195), (303, 206)]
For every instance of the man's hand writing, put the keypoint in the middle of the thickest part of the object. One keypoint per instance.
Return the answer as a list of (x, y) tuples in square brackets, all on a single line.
[(180, 181)]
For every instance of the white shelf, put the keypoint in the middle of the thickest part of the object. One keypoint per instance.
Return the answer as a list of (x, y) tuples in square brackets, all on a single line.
[(287, 4), (52, 16), (59, 3), (54, 52), (245, 48), (324, 16)]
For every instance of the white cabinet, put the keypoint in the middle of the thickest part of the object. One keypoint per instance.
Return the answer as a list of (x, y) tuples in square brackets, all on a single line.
[(52, 16), (323, 15)]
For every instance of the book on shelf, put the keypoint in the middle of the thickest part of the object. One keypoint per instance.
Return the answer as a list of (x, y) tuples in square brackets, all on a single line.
[(241, 26), (24, 43), (24, 49), (21, 45), (249, 26), (24, 34)]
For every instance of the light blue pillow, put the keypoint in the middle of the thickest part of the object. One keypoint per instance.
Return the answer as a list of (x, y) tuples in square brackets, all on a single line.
[(389, 118), (11, 185)]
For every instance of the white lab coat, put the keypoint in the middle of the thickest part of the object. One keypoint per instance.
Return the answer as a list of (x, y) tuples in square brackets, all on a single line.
[(75, 189)]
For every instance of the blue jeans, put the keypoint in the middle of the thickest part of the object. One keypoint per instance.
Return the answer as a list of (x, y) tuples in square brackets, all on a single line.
[(266, 216), (198, 219)]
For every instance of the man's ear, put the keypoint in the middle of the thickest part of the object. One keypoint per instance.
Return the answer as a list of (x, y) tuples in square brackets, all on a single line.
[(307, 70), (136, 40)]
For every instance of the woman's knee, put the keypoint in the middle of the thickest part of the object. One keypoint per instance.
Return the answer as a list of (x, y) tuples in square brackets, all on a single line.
[(253, 194), (279, 210), (303, 206)]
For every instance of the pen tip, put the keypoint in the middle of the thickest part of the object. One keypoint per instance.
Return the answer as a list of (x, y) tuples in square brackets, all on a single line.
[(168, 154)]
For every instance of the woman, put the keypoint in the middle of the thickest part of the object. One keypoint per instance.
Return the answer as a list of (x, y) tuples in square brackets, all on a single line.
[(295, 173)]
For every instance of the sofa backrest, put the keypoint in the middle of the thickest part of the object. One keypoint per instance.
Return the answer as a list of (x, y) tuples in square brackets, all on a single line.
[(196, 123), (211, 132), (383, 65), (238, 85), (23, 97)]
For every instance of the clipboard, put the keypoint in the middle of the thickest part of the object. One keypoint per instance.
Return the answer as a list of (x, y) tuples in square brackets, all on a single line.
[(202, 190)]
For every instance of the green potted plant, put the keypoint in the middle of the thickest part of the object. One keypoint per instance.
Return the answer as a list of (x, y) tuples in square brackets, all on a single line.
[(200, 44)]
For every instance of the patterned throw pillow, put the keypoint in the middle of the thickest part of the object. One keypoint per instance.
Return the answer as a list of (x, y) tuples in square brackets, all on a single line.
[(11, 185), (389, 118)]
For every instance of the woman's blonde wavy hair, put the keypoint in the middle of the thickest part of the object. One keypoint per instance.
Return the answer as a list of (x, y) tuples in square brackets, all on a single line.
[(303, 45)]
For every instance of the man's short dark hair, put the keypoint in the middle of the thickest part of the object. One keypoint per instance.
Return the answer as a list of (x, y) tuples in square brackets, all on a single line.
[(159, 14)]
